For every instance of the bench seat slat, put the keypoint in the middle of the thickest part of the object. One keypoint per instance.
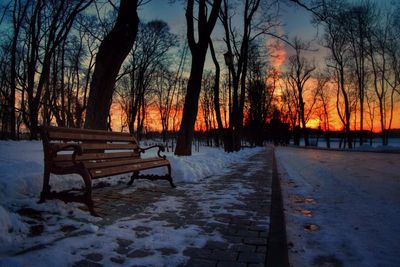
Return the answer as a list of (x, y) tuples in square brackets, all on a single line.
[(96, 156), (85, 131), (98, 146), (94, 165), (108, 163), (88, 146), (66, 136), (103, 172)]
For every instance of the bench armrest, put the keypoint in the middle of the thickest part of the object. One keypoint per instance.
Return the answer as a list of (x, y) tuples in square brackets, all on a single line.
[(60, 147), (161, 148)]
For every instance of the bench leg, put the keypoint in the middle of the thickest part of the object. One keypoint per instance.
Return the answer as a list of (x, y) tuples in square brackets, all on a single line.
[(87, 178), (134, 176), (46, 186), (170, 177)]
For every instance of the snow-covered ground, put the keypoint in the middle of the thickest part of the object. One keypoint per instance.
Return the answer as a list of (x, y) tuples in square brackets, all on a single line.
[(342, 209), (21, 170)]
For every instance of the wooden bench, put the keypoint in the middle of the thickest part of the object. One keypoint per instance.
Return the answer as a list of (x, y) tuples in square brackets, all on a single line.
[(94, 154)]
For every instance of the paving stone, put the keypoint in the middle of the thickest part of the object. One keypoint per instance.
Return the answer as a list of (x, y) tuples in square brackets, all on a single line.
[(142, 228), (251, 257), (256, 241), (238, 227), (230, 264), (223, 220), (233, 239), (230, 231), (256, 265), (94, 257), (197, 222), (86, 263), (200, 263), (36, 230), (223, 255), (68, 228), (216, 245), (124, 242), (261, 249), (247, 233), (167, 251), (31, 213), (263, 234), (142, 235), (122, 250), (256, 228), (197, 253), (118, 260), (243, 248), (241, 222), (140, 253)]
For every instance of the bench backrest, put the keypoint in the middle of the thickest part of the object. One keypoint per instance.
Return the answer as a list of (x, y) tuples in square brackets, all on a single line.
[(95, 144)]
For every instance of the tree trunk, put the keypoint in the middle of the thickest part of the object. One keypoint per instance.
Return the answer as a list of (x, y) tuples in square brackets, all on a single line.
[(112, 52), (19, 13), (190, 108), (303, 121), (198, 50), (221, 132)]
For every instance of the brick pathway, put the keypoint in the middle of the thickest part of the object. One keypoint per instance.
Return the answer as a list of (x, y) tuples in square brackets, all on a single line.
[(236, 206)]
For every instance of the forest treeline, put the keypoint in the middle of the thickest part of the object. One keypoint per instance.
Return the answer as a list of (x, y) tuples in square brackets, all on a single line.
[(77, 63)]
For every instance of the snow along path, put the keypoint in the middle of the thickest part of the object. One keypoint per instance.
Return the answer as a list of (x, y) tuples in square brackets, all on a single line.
[(342, 208), (21, 178), (222, 218)]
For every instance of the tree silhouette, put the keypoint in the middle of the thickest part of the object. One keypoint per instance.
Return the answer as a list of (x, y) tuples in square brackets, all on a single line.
[(112, 52), (198, 49)]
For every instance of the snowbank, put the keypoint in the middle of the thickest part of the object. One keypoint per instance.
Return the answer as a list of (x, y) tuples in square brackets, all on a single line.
[(21, 171)]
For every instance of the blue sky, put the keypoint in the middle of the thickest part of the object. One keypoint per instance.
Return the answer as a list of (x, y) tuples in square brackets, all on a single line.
[(295, 21), (173, 14)]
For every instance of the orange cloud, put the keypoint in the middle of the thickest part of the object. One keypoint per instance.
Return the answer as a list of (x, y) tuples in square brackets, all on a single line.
[(277, 53)]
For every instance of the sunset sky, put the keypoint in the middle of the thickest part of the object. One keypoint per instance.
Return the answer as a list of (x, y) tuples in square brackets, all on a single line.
[(295, 21)]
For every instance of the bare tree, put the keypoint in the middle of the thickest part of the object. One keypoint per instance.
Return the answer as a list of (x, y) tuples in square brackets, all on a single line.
[(113, 50), (254, 25), (207, 104), (300, 71), (260, 91), (359, 20), (18, 15), (48, 26), (290, 107), (166, 91), (380, 48), (222, 133), (371, 111), (324, 94), (337, 43), (148, 65), (198, 49)]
